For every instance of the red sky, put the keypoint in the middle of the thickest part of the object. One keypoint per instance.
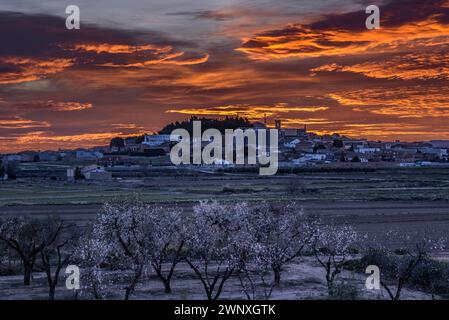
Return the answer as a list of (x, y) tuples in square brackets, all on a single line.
[(134, 68)]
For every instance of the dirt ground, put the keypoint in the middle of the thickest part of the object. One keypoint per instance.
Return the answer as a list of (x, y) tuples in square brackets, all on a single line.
[(304, 279)]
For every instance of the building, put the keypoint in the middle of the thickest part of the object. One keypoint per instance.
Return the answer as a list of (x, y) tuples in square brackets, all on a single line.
[(291, 143), (310, 157), (155, 140), (48, 156), (366, 150), (287, 132), (88, 155), (12, 158), (96, 172)]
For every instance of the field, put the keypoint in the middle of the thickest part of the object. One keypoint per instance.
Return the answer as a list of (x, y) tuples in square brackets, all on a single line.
[(373, 201), (173, 186)]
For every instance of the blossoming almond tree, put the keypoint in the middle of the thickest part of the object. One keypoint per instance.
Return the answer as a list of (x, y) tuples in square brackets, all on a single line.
[(332, 246), (165, 241), (214, 245), (91, 253), (417, 250), (279, 234), (123, 225)]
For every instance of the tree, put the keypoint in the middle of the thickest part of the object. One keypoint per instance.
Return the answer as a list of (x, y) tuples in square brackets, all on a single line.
[(165, 239), (123, 224), (11, 171), (3, 253), (338, 144), (117, 142), (56, 255), (280, 234), (214, 246), (207, 123), (139, 234), (416, 252), (78, 175), (332, 245), (28, 238), (318, 146), (91, 253), (255, 274)]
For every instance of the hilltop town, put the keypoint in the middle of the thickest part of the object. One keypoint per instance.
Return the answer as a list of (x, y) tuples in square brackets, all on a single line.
[(297, 148)]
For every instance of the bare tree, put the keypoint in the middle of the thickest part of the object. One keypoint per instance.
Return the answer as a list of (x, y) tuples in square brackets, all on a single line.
[(281, 234), (165, 242), (28, 237), (213, 244), (3, 253), (332, 246), (56, 255)]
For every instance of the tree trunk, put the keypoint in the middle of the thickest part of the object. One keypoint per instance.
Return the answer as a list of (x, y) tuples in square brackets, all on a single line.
[(51, 294), (277, 276), (167, 286), (27, 270), (130, 290)]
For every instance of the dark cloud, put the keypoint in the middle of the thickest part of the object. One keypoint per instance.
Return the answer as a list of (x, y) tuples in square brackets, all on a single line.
[(204, 14)]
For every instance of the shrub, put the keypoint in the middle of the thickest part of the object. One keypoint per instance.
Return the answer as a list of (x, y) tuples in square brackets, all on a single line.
[(344, 291)]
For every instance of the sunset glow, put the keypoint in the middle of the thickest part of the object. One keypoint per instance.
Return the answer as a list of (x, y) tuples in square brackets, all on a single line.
[(134, 68)]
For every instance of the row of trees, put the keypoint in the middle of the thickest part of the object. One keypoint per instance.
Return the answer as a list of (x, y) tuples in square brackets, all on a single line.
[(208, 123), (217, 241)]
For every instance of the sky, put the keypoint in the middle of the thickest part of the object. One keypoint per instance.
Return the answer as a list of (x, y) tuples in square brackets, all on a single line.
[(136, 65)]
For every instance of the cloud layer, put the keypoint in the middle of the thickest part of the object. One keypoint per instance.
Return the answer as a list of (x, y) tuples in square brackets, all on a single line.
[(67, 88)]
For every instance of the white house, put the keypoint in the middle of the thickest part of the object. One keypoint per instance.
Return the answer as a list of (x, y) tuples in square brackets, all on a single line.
[(94, 172), (310, 157), (366, 150), (155, 140), (439, 152), (222, 162), (292, 144)]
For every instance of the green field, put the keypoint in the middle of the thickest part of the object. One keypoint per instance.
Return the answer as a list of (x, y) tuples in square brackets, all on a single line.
[(427, 184)]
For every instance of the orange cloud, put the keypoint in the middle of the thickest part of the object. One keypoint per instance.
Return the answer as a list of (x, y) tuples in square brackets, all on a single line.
[(19, 123), (41, 140), (149, 54), (403, 102), (302, 41), (60, 105), (423, 66), (388, 130), (119, 48), (252, 112), (32, 69), (166, 59)]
